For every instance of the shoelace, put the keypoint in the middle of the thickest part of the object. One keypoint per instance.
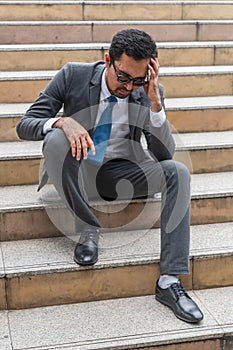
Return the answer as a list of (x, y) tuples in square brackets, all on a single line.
[(89, 235), (179, 290)]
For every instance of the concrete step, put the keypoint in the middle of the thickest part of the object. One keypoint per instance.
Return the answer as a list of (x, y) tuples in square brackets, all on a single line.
[(42, 32), (26, 213), (201, 152), (129, 323), (47, 262), (114, 10), (195, 81), (53, 56), (42, 271), (200, 114), (197, 114), (100, 1), (10, 115), (205, 152)]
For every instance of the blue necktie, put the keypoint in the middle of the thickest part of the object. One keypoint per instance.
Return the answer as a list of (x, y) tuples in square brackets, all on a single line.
[(102, 133)]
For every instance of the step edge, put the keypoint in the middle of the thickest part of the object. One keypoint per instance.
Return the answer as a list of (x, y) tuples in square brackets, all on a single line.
[(207, 251)]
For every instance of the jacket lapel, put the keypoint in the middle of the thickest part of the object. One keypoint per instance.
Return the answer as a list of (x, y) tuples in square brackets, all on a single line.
[(95, 88)]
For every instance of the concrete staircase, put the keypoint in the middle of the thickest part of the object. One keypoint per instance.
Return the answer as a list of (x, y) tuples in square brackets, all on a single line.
[(46, 300)]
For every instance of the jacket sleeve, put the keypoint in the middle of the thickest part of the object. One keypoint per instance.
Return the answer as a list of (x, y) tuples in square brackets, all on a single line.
[(46, 106), (159, 139)]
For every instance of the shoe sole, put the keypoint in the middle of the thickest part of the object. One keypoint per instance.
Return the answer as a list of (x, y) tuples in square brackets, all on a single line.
[(85, 264), (178, 316)]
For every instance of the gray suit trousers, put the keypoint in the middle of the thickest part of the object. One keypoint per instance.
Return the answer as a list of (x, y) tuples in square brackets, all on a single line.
[(78, 181)]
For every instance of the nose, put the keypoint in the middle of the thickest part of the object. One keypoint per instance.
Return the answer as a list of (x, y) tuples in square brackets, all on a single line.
[(129, 86)]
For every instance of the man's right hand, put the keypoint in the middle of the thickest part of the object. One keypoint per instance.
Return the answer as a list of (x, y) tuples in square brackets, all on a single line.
[(79, 138)]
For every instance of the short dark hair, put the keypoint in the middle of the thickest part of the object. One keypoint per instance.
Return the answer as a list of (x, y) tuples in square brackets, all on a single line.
[(134, 43)]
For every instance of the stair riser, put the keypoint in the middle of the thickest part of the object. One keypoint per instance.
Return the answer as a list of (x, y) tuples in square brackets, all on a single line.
[(43, 60), (207, 344), (52, 59), (200, 120), (110, 11), (205, 274), (21, 90), (19, 172), (175, 85), (180, 120), (26, 224), (7, 127), (2, 294), (197, 85), (26, 171), (124, 11), (77, 286), (205, 161), (204, 56), (94, 32), (35, 223)]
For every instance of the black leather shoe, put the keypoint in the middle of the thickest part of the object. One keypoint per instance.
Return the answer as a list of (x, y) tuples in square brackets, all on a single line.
[(86, 251), (180, 302)]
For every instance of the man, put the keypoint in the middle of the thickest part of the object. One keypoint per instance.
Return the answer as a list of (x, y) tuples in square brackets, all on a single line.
[(125, 90)]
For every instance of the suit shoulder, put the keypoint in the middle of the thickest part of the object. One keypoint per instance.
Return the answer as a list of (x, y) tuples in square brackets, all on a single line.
[(79, 72), (82, 66)]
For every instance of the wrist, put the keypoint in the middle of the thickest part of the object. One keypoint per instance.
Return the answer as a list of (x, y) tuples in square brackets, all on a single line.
[(156, 107), (58, 123)]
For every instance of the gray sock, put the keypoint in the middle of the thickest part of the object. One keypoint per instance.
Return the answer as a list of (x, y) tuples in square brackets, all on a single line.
[(166, 281)]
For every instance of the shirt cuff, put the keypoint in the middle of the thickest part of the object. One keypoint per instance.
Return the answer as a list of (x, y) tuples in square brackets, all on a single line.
[(48, 125), (157, 118)]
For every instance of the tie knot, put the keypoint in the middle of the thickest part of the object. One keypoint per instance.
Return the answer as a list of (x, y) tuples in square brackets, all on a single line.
[(112, 99)]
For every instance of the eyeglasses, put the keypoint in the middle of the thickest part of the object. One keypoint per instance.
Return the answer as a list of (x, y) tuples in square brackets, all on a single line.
[(125, 79)]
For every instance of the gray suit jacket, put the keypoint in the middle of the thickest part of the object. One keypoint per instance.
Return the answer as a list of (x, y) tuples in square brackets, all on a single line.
[(76, 88)]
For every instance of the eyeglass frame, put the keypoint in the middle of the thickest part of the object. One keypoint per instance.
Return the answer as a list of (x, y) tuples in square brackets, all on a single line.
[(120, 76)]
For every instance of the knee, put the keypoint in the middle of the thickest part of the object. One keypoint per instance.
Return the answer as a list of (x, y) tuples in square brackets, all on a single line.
[(182, 170), (55, 143), (173, 168)]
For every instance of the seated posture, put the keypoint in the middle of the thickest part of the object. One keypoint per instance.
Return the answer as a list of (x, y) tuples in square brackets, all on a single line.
[(107, 107)]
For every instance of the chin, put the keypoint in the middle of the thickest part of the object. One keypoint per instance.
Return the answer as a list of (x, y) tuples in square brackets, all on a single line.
[(122, 94)]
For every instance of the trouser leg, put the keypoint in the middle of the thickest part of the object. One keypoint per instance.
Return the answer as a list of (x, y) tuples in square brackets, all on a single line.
[(175, 219), (172, 179), (64, 172)]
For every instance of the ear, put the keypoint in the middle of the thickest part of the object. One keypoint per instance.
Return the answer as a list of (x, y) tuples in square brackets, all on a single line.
[(107, 59)]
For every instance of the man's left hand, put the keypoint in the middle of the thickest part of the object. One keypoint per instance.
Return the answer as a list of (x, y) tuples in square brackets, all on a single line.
[(152, 88)]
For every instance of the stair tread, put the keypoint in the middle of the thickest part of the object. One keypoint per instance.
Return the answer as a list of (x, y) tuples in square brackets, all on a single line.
[(13, 109), (186, 141), (99, 46), (115, 22), (199, 102), (48, 255), (125, 323), (211, 102), (20, 150), (186, 70), (204, 140), (63, 2), (209, 185)]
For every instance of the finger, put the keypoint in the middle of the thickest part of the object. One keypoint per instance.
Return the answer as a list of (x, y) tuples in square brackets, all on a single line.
[(78, 149), (73, 148), (90, 144), (155, 64), (84, 146), (152, 71)]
